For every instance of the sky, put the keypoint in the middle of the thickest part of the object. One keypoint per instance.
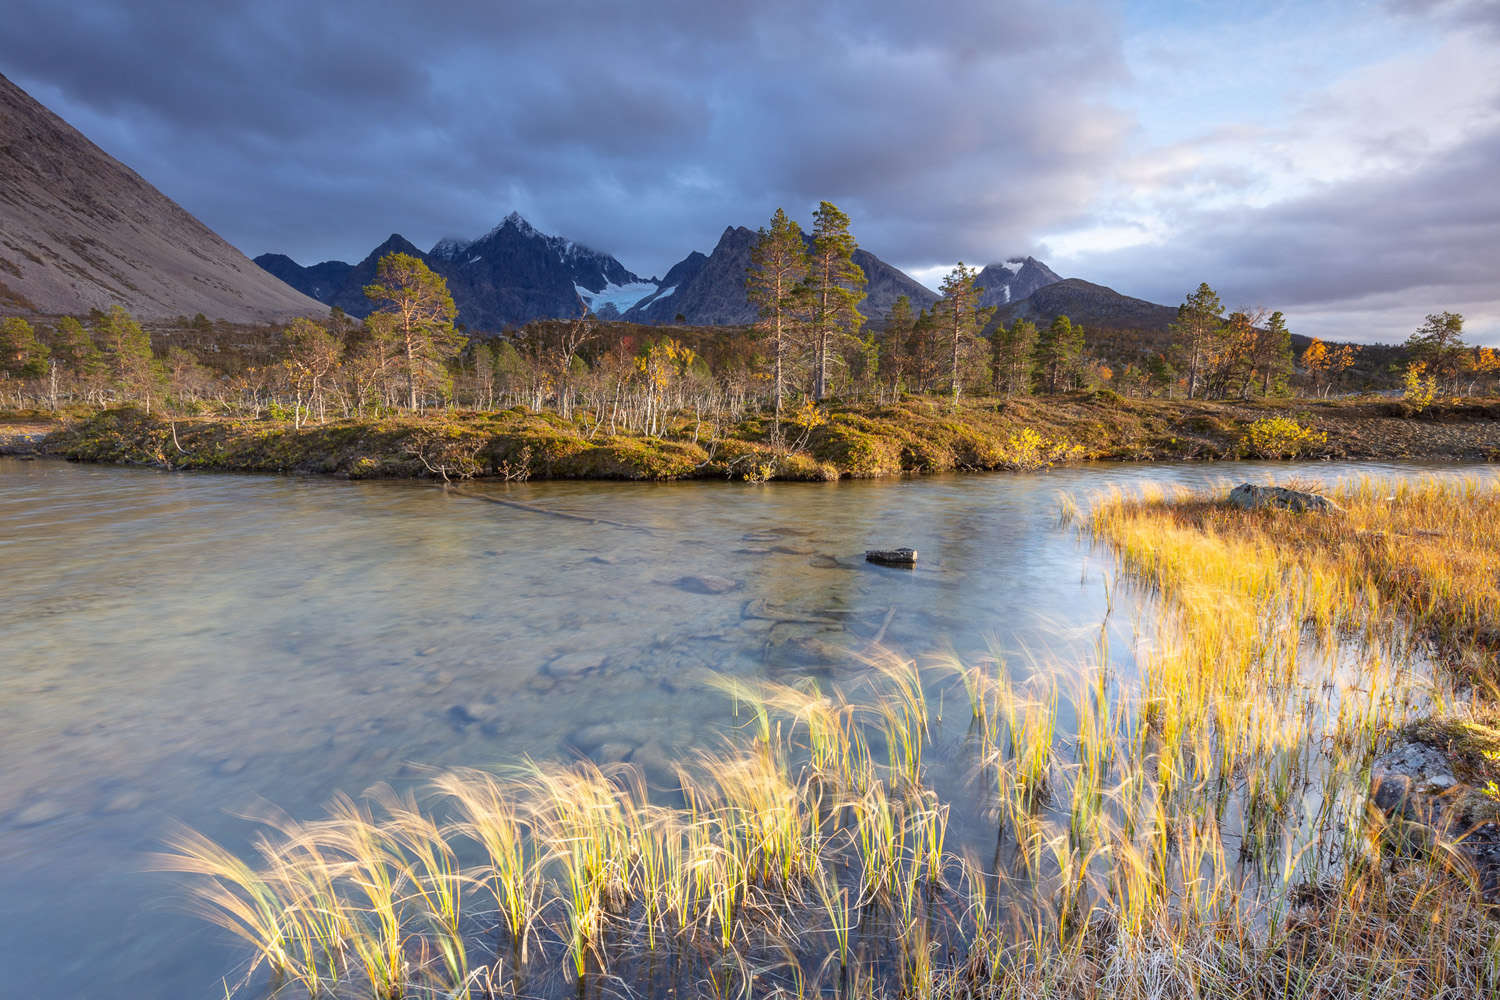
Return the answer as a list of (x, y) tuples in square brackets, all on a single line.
[(1335, 160)]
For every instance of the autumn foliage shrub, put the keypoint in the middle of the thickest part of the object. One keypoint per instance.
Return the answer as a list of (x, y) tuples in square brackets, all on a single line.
[(1280, 437)]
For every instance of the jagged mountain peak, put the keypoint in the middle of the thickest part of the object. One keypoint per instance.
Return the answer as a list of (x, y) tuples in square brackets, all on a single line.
[(710, 290), (449, 247), (516, 221), (512, 274), (1013, 280)]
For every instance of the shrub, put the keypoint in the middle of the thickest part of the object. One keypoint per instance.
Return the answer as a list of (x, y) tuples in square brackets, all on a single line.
[(1420, 388), (1029, 451), (1280, 437)]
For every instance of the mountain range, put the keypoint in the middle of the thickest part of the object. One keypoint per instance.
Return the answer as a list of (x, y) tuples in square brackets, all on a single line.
[(515, 273), (79, 230), (509, 276)]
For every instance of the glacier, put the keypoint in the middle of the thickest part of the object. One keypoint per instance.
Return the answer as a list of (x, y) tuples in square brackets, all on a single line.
[(622, 297)]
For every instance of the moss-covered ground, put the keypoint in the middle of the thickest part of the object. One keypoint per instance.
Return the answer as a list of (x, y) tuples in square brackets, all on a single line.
[(844, 440)]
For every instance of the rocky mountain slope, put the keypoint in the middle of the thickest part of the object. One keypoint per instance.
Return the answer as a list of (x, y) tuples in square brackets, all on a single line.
[(711, 290), (1013, 280), (511, 275), (79, 230)]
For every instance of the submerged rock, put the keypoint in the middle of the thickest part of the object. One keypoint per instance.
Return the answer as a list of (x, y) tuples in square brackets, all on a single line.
[(470, 713), (892, 557), (576, 663), (706, 584), (1251, 497)]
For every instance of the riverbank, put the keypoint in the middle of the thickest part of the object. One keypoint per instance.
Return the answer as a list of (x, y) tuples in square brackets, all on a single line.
[(859, 440)]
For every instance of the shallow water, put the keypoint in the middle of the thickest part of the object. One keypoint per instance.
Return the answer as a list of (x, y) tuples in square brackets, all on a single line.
[(184, 647)]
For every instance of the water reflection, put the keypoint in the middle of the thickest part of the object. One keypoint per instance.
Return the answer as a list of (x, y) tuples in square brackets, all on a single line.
[(179, 647)]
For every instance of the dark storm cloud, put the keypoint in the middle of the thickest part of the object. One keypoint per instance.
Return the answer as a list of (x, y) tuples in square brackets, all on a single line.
[(644, 129), (1362, 260)]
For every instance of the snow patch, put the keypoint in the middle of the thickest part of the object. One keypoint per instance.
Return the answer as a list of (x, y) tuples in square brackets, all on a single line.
[(622, 297), (475, 260)]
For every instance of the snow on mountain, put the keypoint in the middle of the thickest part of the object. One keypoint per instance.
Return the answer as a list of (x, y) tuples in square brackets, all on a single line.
[(449, 248), (1013, 280), (616, 297), (595, 273)]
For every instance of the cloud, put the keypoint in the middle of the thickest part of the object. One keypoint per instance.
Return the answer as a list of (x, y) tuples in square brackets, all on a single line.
[(1484, 14), (1368, 204), (1362, 260), (1327, 159), (644, 129)]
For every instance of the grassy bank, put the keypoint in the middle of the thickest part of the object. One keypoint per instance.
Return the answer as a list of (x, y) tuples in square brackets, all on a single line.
[(1198, 826), (918, 435)]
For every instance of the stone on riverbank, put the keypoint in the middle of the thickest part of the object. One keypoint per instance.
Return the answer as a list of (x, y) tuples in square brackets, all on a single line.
[(1251, 497), (1435, 783)]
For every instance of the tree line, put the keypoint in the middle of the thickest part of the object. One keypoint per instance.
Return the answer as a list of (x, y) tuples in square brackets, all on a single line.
[(809, 344)]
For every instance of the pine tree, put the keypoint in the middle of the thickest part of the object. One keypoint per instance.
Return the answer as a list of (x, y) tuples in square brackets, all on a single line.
[(422, 311), (128, 350), (1439, 344), (21, 354), (1272, 355), (774, 282), (1232, 361), (835, 287), (1162, 373), (1059, 349), (896, 337), (74, 349), (961, 317), (1012, 356), (1199, 327)]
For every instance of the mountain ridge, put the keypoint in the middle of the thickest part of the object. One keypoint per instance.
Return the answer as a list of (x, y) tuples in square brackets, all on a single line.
[(80, 230), (1087, 304), (711, 289), (511, 275)]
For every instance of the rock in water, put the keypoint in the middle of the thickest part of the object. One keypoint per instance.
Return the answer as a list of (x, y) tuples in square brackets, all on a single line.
[(707, 584), (1252, 497), (892, 557)]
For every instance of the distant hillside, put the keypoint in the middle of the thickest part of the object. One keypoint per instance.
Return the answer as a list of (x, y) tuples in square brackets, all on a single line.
[(711, 290), (510, 276), (1089, 304), (79, 230)]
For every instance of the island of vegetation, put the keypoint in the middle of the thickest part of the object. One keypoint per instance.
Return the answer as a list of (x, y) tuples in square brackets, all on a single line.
[(809, 392)]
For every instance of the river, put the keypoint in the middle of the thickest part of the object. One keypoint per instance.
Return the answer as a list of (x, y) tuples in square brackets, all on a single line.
[(183, 648)]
